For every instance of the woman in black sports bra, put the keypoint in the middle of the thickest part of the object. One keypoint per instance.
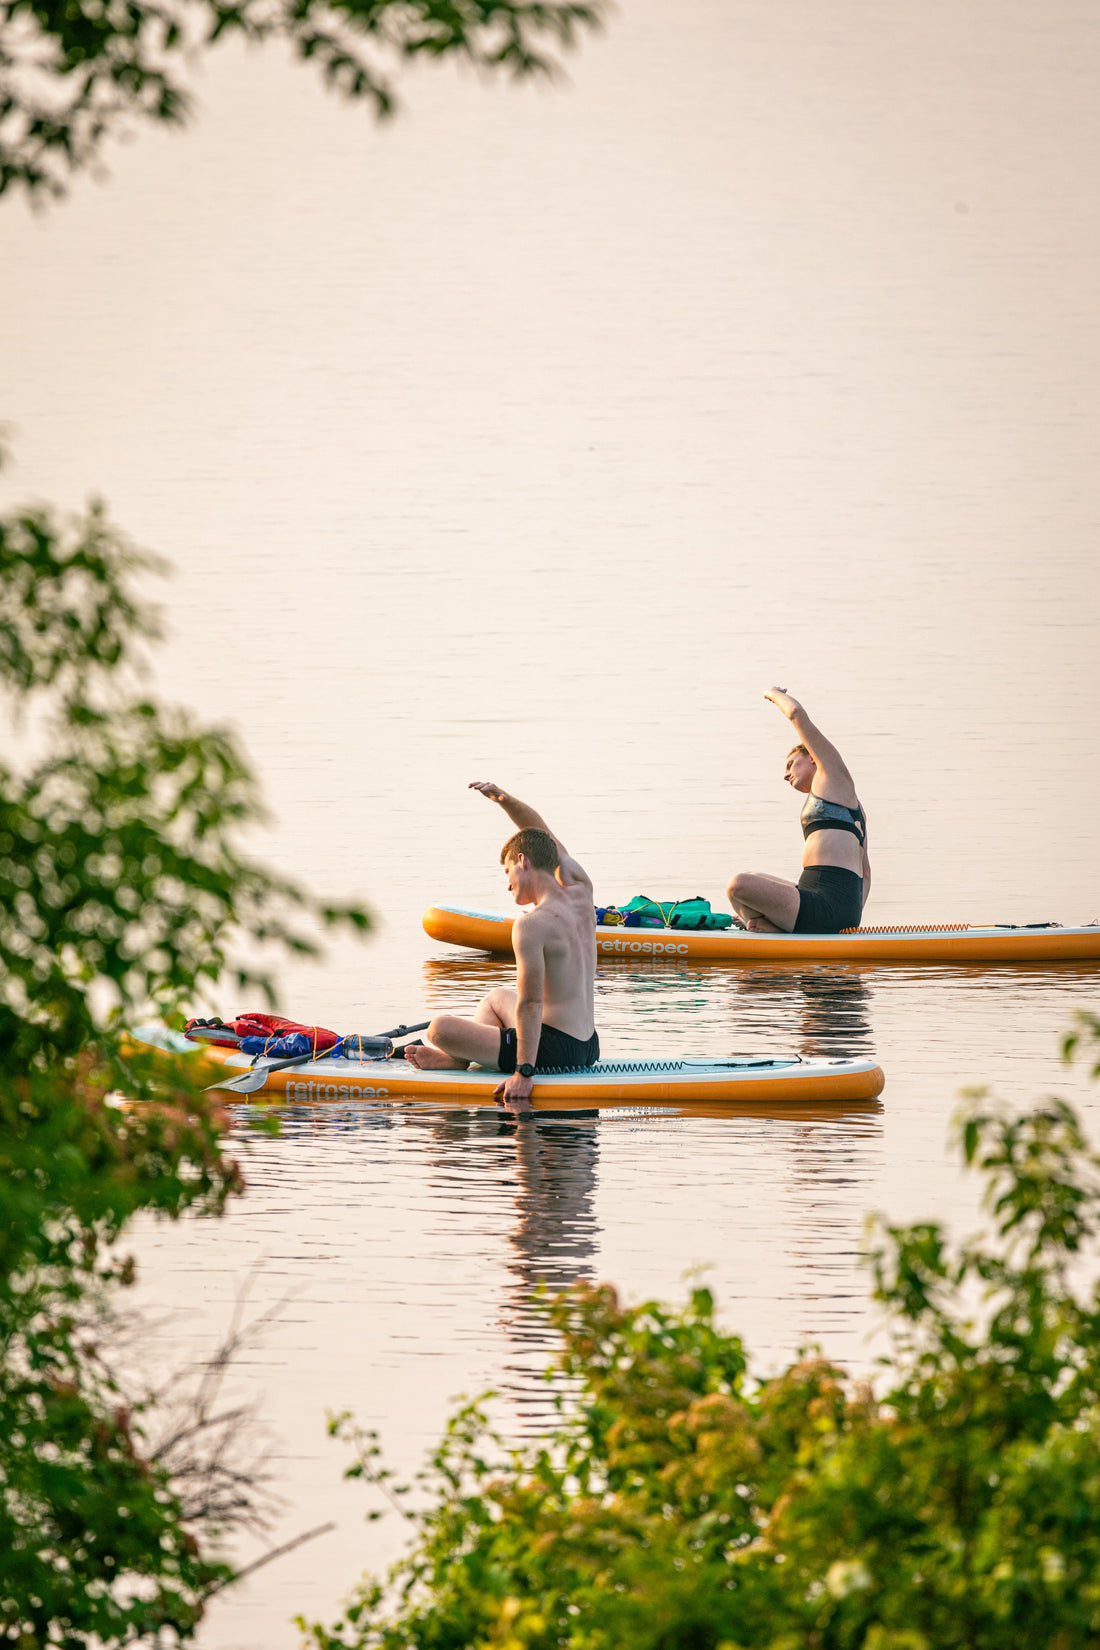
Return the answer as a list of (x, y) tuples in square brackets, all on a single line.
[(836, 873)]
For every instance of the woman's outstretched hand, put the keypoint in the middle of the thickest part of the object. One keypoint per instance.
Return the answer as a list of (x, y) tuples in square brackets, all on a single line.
[(487, 788), (782, 700)]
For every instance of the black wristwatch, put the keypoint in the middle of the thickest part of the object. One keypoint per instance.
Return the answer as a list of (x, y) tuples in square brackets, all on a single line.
[(525, 1070)]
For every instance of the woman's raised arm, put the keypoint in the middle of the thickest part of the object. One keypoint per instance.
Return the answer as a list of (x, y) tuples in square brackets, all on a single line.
[(831, 765)]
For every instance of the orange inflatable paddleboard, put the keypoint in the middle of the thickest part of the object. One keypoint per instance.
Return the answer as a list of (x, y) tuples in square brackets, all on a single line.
[(912, 943)]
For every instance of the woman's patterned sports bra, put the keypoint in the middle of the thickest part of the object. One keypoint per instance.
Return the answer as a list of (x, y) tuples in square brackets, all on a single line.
[(819, 815)]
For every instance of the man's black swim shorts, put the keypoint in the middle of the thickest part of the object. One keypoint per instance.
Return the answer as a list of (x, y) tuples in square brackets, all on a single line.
[(557, 1050)]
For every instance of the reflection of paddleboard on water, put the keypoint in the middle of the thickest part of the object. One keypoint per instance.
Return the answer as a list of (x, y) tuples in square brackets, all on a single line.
[(680, 1081), (912, 943)]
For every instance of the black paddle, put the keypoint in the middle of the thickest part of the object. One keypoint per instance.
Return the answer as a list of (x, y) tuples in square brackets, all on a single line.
[(379, 1047)]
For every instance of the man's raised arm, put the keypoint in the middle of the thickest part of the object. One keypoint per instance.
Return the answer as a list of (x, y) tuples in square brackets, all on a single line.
[(524, 818)]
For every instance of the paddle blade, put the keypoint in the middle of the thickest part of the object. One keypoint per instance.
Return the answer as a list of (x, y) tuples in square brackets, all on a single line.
[(246, 1083)]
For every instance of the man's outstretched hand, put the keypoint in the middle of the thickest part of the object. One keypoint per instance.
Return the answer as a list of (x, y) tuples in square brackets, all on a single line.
[(515, 1092), (487, 788), (783, 701)]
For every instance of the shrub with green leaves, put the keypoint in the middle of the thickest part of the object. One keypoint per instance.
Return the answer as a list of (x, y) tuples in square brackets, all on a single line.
[(683, 1506), (123, 893), (72, 75)]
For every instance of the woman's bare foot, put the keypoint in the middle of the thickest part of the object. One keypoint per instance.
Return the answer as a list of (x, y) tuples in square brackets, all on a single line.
[(425, 1057)]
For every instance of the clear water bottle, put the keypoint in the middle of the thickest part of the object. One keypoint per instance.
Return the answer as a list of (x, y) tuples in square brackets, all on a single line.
[(358, 1047)]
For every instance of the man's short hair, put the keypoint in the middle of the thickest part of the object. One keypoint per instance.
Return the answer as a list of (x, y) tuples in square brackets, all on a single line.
[(539, 847), (796, 750)]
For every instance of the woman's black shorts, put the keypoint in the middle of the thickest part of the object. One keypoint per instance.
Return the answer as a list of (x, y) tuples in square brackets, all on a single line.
[(830, 898), (557, 1050)]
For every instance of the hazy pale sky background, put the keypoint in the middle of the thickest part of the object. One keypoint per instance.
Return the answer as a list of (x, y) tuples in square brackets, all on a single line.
[(535, 433)]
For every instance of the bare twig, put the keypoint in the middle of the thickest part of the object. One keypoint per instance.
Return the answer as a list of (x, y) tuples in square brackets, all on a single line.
[(267, 1558)]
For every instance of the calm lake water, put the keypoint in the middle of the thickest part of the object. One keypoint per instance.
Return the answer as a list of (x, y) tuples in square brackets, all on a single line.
[(530, 438)]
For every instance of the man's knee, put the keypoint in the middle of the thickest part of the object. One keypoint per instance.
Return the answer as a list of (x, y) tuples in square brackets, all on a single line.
[(439, 1028), (739, 885), (497, 1006)]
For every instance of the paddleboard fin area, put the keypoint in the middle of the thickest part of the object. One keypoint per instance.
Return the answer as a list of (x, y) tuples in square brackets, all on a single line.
[(944, 942)]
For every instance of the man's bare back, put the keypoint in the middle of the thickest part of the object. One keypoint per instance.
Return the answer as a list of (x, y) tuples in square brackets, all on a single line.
[(559, 936), (548, 1020)]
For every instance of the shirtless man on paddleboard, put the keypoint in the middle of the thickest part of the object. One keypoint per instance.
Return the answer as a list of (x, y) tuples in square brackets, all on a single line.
[(547, 1022)]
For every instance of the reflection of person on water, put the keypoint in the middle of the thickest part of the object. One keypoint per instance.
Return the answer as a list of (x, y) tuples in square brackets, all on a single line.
[(836, 873), (548, 1021), (532, 1179), (826, 1012)]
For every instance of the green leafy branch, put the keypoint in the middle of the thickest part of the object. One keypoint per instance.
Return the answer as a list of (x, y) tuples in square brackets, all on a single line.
[(71, 75), (122, 893), (118, 857), (680, 1503)]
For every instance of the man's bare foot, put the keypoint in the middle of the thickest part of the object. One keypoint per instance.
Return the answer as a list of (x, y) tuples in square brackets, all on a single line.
[(761, 925), (425, 1057)]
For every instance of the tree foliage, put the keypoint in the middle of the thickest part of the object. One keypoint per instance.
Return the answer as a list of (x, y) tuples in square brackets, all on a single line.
[(73, 72), (681, 1504), (121, 887), (122, 891)]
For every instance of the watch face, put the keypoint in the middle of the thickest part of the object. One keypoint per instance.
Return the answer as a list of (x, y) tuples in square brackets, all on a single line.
[(526, 1070)]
